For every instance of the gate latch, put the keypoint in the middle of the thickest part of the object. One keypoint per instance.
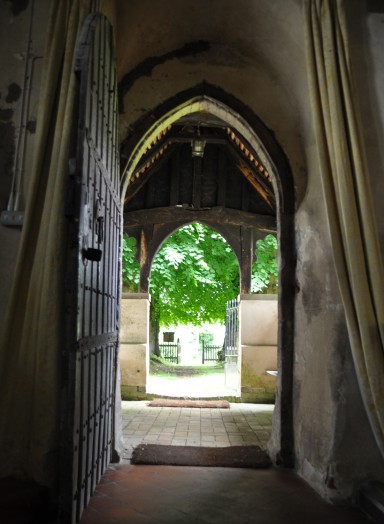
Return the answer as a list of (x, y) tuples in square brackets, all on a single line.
[(94, 254)]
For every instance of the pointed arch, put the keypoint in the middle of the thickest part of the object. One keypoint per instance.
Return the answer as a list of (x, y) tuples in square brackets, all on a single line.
[(213, 101)]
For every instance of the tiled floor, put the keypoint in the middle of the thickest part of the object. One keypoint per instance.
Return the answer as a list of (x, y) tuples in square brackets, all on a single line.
[(185, 495), (241, 424)]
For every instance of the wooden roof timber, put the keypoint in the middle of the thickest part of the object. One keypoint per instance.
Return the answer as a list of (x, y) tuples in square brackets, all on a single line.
[(245, 160), (261, 184), (153, 164), (222, 215), (256, 184)]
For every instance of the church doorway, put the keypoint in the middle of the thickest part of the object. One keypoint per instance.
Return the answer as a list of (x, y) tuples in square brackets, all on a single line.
[(203, 162), (194, 274)]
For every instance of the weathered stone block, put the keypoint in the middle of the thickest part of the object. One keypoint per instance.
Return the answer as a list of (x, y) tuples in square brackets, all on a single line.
[(133, 364)]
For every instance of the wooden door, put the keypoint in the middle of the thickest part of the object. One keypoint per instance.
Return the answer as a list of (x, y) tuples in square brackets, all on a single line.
[(90, 362)]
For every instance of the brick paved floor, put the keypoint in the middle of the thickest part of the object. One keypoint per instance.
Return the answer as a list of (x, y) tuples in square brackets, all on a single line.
[(196, 495), (241, 424)]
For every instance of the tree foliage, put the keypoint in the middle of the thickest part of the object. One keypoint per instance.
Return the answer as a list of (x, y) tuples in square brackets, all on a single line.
[(195, 273), (265, 270), (130, 265)]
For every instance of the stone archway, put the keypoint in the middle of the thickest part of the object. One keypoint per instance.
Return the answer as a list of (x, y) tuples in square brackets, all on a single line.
[(207, 102)]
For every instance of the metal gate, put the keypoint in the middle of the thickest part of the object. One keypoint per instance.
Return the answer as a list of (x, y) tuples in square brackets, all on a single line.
[(170, 352), (94, 275), (211, 353), (231, 346)]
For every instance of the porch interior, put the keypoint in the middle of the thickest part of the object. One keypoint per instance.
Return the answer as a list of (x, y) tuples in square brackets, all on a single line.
[(206, 495), (185, 494)]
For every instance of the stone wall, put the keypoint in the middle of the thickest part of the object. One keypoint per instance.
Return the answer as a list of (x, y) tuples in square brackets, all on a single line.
[(258, 347), (134, 345)]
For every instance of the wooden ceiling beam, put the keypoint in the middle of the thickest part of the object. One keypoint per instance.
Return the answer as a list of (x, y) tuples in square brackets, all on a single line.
[(139, 179), (222, 215), (257, 181)]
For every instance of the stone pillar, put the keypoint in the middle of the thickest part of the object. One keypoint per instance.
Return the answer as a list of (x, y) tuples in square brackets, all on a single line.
[(134, 345), (258, 346)]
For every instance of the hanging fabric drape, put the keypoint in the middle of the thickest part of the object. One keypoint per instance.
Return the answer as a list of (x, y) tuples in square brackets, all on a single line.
[(348, 199), (32, 334)]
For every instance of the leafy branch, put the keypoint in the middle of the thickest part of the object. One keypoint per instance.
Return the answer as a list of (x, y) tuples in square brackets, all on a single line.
[(195, 273)]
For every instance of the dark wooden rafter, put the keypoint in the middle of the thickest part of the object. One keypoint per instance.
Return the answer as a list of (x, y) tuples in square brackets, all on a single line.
[(154, 163), (175, 178), (154, 156), (159, 137), (164, 144), (255, 184), (196, 189), (251, 167), (165, 215), (244, 195), (259, 182), (248, 154), (223, 166)]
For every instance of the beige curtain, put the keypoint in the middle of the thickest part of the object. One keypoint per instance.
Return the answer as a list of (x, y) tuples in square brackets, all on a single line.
[(349, 204), (31, 337)]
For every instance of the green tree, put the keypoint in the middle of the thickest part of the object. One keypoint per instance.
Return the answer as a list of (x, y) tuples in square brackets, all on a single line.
[(195, 273), (265, 269), (193, 276), (130, 265)]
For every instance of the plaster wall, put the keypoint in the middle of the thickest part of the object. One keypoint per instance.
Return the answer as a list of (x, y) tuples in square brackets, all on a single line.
[(22, 36), (330, 422), (251, 53), (325, 383)]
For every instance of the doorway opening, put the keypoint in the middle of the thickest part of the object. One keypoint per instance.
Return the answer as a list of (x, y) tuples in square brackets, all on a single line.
[(167, 183), (193, 276)]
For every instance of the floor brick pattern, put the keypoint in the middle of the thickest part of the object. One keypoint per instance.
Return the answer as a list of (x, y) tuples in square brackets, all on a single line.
[(241, 424), (196, 495)]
